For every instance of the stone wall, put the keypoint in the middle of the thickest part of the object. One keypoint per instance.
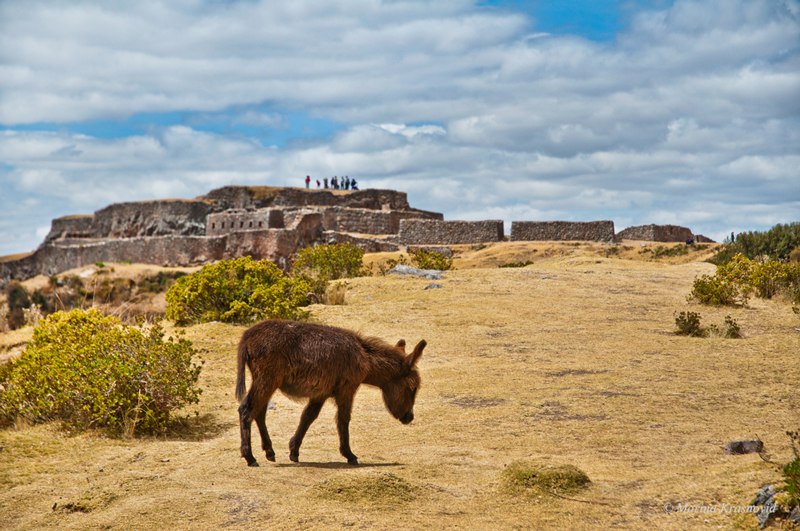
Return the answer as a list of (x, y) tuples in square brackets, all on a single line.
[(243, 220), (656, 233), (699, 238), (71, 227), (368, 245), (437, 232), (368, 221), (602, 231), (271, 244)]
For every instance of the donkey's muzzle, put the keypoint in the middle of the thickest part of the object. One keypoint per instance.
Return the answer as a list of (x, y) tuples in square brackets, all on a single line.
[(407, 418)]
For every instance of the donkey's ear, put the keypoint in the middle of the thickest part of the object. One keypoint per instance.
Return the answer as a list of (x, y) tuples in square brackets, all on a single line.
[(412, 358), (401, 344)]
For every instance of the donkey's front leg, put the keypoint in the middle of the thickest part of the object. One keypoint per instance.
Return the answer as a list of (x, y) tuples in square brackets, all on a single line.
[(344, 404), (310, 414)]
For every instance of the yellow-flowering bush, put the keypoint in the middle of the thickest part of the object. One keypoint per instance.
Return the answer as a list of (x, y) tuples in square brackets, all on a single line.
[(241, 290), (92, 371)]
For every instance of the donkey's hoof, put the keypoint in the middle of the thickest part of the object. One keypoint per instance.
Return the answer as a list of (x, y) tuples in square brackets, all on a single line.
[(252, 463), (271, 457), (353, 460), (294, 457)]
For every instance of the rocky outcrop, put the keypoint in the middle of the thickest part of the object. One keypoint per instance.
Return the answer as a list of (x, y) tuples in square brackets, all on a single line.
[(130, 220)]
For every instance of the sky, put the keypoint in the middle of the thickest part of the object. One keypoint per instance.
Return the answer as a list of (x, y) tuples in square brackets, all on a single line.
[(684, 112)]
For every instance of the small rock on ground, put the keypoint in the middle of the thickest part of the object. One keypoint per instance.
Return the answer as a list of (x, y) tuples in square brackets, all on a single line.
[(430, 274), (744, 447)]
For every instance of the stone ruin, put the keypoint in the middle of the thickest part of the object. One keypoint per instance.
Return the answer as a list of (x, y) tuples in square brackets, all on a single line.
[(657, 233), (274, 223), (599, 231), (432, 232), (263, 222)]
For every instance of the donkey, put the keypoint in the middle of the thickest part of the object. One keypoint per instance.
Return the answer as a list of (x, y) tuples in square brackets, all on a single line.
[(319, 362)]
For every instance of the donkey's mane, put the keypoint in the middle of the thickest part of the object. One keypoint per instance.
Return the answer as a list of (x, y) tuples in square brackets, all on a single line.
[(386, 360), (376, 346)]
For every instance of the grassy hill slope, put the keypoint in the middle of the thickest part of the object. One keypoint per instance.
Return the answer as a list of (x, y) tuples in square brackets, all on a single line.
[(570, 360)]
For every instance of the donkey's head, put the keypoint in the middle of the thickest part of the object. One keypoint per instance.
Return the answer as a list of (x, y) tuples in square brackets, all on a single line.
[(399, 392)]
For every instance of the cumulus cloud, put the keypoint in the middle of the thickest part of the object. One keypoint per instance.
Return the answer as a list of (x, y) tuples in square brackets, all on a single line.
[(689, 116)]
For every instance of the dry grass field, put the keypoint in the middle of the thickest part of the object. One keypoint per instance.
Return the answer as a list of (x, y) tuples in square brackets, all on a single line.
[(571, 360)]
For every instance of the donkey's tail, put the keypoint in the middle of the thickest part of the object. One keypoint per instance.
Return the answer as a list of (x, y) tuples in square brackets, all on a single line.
[(241, 361)]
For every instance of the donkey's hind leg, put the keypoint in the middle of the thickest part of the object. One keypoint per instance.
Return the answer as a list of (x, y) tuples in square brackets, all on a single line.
[(266, 443), (253, 407)]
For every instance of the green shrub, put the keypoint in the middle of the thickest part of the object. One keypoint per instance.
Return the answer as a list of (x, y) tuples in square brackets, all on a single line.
[(518, 264), (320, 264), (791, 474), (738, 278), (111, 291), (731, 329), (159, 282), (91, 371), (776, 243), (768, 277), (18, 300), (688, 324), (715, 291), (240, 290), (430, 259), (677, 250)]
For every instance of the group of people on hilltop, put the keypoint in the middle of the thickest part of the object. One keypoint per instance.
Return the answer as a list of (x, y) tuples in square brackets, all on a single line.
[(336, 183)]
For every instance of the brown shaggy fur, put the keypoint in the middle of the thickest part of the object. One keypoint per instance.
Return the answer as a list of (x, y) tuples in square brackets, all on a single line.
[(317, 362)]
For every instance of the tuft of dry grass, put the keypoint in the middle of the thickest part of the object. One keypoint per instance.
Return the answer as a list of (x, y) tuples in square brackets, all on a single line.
[(335, 292), (527, 477), (571, 359), (372, 488)]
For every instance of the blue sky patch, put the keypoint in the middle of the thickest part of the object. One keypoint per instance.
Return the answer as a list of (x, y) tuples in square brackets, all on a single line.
[(596, 20)]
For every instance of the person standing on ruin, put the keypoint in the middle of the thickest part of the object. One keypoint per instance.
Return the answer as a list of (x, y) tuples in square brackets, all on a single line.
[(353, 184), (325, 180), (346, 182), (308, 181)]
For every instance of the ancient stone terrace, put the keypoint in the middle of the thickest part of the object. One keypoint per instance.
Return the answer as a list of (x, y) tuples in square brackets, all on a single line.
[(264, 222), (274, 223)]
